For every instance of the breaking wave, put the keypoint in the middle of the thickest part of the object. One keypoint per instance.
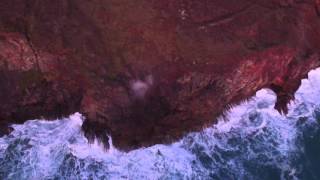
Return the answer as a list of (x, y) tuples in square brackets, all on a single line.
[(253, 141)]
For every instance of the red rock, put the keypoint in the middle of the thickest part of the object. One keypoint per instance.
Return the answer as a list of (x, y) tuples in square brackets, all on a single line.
[(148, 72)]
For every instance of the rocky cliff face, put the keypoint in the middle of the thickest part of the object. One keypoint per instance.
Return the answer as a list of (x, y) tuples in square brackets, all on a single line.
[(148, 71)]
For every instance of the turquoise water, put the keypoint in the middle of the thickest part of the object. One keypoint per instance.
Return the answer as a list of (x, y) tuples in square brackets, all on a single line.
[(254, 141)]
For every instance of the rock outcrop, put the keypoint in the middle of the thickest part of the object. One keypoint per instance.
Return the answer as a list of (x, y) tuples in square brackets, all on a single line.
[(149, 71)]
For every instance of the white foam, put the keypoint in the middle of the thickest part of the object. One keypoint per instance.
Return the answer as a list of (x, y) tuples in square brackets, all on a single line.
[(193, 157)]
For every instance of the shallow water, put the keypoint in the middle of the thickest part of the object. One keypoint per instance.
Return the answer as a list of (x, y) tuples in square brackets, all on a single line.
[(254, 141)]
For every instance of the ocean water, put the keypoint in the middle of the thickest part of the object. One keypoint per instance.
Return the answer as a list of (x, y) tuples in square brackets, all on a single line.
[(252, 142)]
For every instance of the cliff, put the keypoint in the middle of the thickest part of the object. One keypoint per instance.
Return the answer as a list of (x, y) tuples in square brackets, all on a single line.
[(148, 71)]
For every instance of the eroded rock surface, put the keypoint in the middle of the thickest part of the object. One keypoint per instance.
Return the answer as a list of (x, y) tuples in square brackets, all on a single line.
[(149, 71)]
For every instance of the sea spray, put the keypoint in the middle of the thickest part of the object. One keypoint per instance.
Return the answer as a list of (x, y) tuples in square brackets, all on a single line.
[(254, 141)]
